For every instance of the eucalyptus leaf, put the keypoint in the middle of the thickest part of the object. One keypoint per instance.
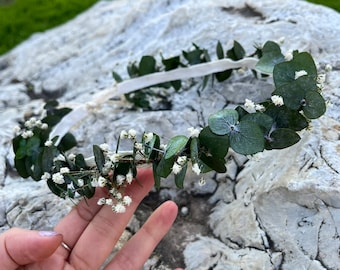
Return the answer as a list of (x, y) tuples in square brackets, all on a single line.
[(236, 52), (217, 164), (33, 146), (67, 142), (48, 155), (271, 55), (219, 50), (315, 105), (99, 157), (179, 178), (175, 146), (223, 122), (282, 138), (147, 65), (164, 167), (261, 119), (247, 138), (217, 145)]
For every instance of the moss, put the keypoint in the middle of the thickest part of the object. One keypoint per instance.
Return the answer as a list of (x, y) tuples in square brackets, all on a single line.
[(20, 18)]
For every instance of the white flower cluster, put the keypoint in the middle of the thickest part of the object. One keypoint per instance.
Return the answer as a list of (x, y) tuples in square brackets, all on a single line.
[(251, 107), (194, 132), (277, 100), (118, 202), (29, 126), (57, 177)]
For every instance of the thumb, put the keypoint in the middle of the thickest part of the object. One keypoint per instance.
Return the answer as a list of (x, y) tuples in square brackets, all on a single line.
[(20, 247)]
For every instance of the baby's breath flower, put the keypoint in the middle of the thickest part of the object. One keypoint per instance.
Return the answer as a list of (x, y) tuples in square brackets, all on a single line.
[(196, 169), (109, 202), (194, 132), (118, 195), (58, 178), (94, 182), (124, 134), (132, 134), (148, 137), (176, 168), (60, 157), (80, 182), (300, 73), (45, 176), (31, 122), (114, 157), (48, 143), (139, 146), (241, 71), (162, 146), (282, 40), (181, 160), (129, 177), (38, 123), (101, 181), (101, 201), (27, 134), (44, 126), (120, 179), (277, 100), (127, 200), (119, 208), (104, 146), (64, 170), (328, 67), (71, 157), (289, 56), (16, 129), (249, 105), (260, 108)]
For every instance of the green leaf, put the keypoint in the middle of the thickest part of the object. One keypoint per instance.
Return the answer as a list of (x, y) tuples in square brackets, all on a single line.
[(87, 190), (80, 162), (99, 157), (217, 145), (217, 164), (116, 77), (176, 84), (219, 50), (223, 122), (179, 178), (315, 105), (33, 146), (171, 63), (271, 55), (175, 146), (247, 138), (261, 119), (150, 151), (164, 167), (48, 155), (285, 72), (19, 147), (194, 150), (147, 65), (57, 189), (156, 176), (236, 52), (67, 142), (223, 75), (282, 138), (132, 70), (20, 165)]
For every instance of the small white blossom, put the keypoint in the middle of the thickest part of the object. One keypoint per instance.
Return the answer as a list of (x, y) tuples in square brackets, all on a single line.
[(44, 126), (16, 129), (162, 146), (328, 67), (277, 100), (196, 169), (127, 200), (94, 182), (202, 182), (101, 201), (241, 71), (30, 123), (119, 208), (45, 176), (289, 56), (139, 146), (194, 132), (181, 160), (48, 143), (124, 134), (249, 105), (38, 123), (118, 195), (58, 178), (80, 182), (300, 73), (114, 158), (120, 179), (282, 40), (109, 202), (71, 157), (148, 137), (176, 168), (132, 134), (27, 134), (104, 146), (64, 170), (129, 177), (260, 108), (101, 181)]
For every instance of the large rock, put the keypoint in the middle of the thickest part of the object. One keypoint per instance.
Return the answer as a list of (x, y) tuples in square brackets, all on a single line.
[(279, 210)]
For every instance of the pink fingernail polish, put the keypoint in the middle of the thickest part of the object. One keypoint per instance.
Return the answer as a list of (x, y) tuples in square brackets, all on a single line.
[(48, 233)]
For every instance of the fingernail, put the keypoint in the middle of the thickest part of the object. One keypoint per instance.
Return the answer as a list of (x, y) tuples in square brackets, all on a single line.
[(48, 233)]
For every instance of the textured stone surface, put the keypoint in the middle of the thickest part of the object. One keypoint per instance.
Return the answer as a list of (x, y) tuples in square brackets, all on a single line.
[(279, 210)]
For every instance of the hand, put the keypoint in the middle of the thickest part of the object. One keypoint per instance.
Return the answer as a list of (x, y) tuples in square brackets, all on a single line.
[(90, 231)]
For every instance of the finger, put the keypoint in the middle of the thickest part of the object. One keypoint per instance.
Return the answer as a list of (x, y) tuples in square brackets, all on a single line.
[(20, 247), (106, 227), (139, 248)]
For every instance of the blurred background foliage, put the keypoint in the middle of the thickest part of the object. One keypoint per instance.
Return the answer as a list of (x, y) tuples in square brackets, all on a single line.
[(20, 18)]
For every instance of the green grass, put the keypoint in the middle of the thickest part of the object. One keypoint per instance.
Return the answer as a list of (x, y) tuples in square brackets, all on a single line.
[(20, 18)]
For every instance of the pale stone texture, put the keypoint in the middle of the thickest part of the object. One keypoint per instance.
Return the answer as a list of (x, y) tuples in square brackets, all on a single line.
[(279, 210)]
